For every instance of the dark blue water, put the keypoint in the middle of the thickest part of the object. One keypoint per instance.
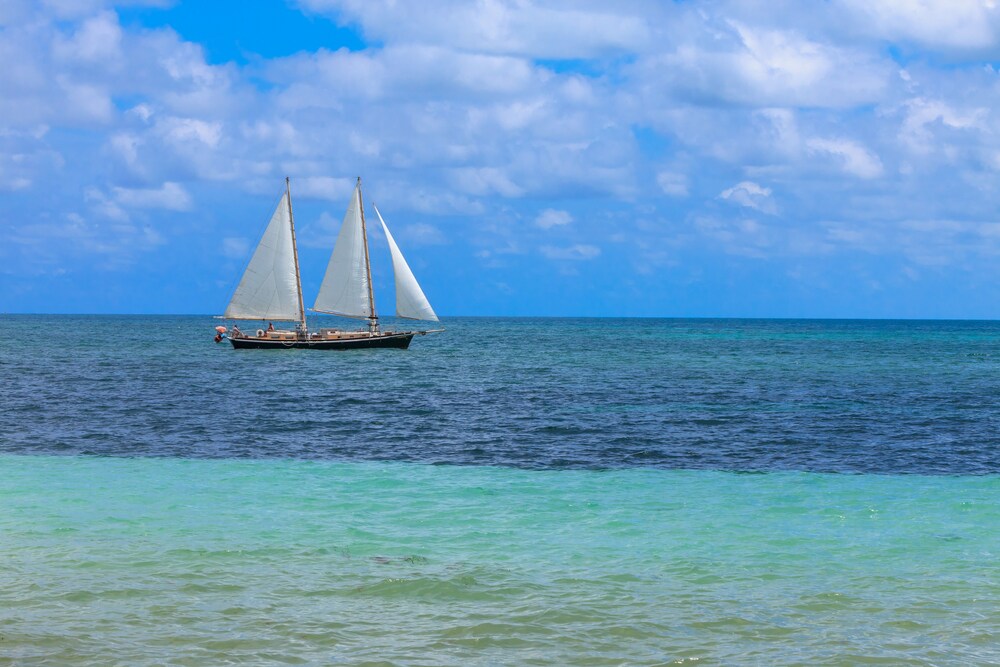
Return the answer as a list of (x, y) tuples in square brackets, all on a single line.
[(828, 396)]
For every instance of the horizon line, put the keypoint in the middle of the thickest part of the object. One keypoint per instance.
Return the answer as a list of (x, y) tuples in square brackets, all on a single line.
[(557, 317)]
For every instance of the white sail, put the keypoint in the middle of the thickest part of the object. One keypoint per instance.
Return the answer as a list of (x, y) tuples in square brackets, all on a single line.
[(269, 289), (410, 300), (345, 289)]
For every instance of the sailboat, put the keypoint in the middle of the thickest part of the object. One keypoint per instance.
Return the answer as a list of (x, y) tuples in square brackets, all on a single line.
[(271, 288)]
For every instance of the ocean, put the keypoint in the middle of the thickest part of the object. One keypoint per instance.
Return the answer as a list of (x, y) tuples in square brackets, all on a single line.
[(508, 492)]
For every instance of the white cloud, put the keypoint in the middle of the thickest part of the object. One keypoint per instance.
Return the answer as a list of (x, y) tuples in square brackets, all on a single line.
[(745, 236), (480, 181), (190, 132), (921, 115), (320, 232), (104, 206), (24, 156), (323, 187), (141, 111), (98, 39), (750, 195), (954, 24), (925, 242), (402, 72), (86, 103), (170, 196), (673, 183), (235, 247), (474, 127), (551, 217), (536, 30), (760, 67), (579, 251), (15, 183), (854, 158), (421, 233)]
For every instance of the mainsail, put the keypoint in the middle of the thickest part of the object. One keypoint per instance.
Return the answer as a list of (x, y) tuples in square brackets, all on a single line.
[(346, 287), (269, 287), (410, 300)]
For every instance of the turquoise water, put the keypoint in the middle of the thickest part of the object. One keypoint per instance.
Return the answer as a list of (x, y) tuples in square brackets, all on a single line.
[(130, 561), (510, 492)]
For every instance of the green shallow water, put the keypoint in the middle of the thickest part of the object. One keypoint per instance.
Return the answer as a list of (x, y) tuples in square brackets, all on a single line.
[(157, 561)]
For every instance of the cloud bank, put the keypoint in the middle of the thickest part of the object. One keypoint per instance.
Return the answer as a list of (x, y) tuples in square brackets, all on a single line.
[(676, 145)]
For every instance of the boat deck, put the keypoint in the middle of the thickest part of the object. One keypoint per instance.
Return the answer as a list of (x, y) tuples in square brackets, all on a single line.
[(322, 334)]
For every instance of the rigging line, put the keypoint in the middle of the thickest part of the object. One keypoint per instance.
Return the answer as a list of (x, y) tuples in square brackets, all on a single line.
[(372, 316), (295, 255)]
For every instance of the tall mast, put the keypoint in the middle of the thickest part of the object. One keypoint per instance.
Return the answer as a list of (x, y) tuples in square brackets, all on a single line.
[(295, 255), (372, 318)]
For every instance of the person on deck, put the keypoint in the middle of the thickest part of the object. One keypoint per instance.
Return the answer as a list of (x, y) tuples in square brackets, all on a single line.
[(270, 326), (236, 332)]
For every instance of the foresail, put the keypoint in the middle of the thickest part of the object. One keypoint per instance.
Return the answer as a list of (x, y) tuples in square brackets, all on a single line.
[(345, 289), (410, 300), (268, 289)]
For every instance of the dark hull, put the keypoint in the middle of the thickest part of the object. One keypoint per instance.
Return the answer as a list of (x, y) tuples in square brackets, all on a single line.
[(397, 341)]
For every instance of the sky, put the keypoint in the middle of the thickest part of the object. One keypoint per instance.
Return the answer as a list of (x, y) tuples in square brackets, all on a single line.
[(753, 158)]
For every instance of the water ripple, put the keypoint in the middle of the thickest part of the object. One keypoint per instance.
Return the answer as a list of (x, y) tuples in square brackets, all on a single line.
[(895, 397)]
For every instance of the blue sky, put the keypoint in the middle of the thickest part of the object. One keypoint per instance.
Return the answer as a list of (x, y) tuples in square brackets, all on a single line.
[(752, 158)]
